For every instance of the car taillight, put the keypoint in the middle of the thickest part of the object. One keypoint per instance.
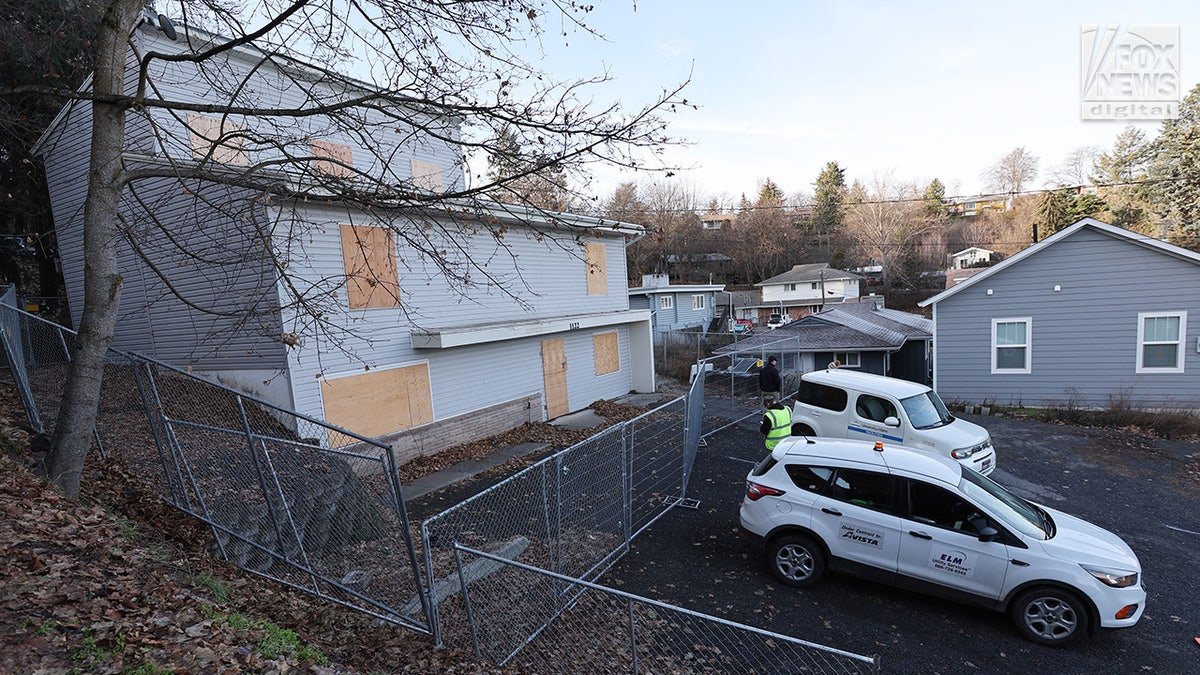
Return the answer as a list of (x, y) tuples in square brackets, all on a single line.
[(754, 491)]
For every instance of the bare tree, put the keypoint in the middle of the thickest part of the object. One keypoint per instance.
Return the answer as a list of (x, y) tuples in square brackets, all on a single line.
[(886, 221), (447, 73), (1076, 169), (1012, 172)]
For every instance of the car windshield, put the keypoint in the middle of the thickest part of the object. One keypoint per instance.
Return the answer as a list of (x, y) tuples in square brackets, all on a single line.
[(1016, 513), (926, 411)]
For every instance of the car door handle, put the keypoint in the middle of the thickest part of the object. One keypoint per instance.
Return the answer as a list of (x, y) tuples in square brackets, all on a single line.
[(832, 512), (1019, 563), (919, 535)]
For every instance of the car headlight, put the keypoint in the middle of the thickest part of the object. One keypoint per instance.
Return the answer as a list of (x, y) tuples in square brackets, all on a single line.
[(963, 453), (1111, 577)]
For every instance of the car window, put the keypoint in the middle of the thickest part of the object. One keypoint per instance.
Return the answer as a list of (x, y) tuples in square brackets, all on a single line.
[(939, 507), (763, 466), (865, 488), (874, 408), (1015, 512), (926, 411), (822, 396), (810, 478)]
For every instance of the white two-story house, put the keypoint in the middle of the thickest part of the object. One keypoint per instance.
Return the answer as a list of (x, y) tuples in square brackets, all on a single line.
[(807, 289), (325, 301)]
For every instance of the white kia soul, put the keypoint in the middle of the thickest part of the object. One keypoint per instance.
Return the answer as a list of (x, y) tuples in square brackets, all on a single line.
[(925, 522), (840, 403)]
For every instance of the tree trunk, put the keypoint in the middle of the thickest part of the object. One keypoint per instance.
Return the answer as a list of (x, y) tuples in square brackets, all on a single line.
[(102, 281)]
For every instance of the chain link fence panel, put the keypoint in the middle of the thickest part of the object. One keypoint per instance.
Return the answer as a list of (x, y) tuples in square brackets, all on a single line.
[(592, 628), (288, 497), (574, 512)]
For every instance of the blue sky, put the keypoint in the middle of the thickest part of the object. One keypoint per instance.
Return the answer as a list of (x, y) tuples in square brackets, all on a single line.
[(917, 90)]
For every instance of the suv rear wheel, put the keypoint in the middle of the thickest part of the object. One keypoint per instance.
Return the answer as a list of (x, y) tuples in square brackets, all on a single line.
[(1050, 616), (796, 560)]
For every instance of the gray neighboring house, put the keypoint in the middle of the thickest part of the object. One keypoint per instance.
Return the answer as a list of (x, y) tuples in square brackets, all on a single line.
[(861, 335), (678, 307), (1091, 315)]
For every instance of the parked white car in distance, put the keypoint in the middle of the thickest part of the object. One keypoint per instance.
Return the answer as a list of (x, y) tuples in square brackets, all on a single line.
[(841, 403), (917, 520)]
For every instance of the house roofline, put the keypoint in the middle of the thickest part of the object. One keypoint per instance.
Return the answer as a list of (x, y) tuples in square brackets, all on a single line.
[(1086, 223)]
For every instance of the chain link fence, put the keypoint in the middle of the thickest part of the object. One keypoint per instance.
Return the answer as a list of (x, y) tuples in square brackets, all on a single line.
[(573, 513), (624, 632), (321, 509), (291, 498)]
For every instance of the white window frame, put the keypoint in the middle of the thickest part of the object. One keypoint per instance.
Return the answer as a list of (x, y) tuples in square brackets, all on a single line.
[(1179, 341), (697, 302), (789, 288), (846, 361), (666, 302), (1028, 346)]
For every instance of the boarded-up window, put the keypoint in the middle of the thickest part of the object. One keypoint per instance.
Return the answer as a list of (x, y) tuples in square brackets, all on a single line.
[(380, 402), (608, 353), (222, 137), (426, 175), (339, 159), (370, 259), (597, 269)]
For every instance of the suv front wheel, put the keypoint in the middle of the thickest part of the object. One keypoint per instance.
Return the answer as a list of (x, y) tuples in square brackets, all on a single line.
[(1050, 616), (796, 560)]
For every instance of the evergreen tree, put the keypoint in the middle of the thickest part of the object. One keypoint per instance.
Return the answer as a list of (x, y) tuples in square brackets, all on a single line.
[(935, 198), (1175, 171), (1053, 213), (828, 203)]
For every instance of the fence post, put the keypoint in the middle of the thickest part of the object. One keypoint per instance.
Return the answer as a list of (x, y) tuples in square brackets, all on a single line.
[(632, 637), (262, 479)]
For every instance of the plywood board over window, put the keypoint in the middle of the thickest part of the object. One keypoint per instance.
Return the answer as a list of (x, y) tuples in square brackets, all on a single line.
[(222, 138), (369, 256), (338, 159), (426, 175), (380, 402), (607, 351), (597, 269)]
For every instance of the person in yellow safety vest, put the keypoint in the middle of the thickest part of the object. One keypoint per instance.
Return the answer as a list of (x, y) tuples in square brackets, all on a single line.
[(777, 422)]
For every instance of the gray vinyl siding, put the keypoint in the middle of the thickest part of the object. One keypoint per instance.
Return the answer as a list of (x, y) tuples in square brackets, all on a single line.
[(680, 315), (1084, 338), (548, 282), (395, 138)]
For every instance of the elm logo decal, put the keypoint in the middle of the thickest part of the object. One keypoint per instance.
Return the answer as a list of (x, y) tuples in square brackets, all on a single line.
[(861, 536), (1129, 72), (953, 562)]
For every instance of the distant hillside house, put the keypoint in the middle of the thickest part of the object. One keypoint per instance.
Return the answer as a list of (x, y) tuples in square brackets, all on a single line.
[(974, 206), (970, 257), (717, 221)]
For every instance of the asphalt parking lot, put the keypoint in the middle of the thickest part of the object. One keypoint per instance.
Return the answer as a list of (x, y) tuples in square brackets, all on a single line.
[(1143, 489)]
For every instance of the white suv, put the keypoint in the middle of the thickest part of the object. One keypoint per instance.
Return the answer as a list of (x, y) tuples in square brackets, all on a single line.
[(840, 403), (920, 521)]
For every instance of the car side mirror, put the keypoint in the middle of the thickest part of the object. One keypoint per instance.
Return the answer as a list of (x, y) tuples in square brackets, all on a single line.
[(892, 421), (988, 533)]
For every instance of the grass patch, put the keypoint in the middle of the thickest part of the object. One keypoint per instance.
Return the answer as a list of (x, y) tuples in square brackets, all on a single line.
[(217, 590), (275, 642)]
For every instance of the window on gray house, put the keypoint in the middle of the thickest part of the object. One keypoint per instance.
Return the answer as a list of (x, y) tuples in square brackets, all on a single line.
[(1160, 342), (1010, 345)]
